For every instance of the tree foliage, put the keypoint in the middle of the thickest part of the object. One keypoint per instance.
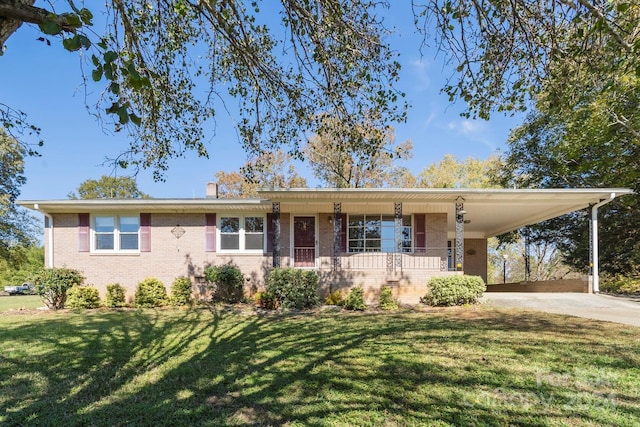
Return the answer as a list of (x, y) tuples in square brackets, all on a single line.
[(167, 66), (584, 147), (363, 157), (267, 170), (108, 187), (450, 172), (505, 53), (18, 229)]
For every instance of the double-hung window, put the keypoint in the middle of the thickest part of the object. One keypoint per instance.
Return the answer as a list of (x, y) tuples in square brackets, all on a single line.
[(376, 233), (116, 233), (242, 233)]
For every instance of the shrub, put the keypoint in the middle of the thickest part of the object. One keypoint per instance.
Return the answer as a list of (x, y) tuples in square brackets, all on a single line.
[(293, 288), (335, 298), (150, 293), (227, 283), (83, 297), (116, 296), (181, 291), (386, 301), (266, 300), (52, 285), (620, 285), (355, 299), (454, 290)]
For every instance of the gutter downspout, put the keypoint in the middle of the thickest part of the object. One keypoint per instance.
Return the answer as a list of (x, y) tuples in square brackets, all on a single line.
[(594, 242), (50, 236)]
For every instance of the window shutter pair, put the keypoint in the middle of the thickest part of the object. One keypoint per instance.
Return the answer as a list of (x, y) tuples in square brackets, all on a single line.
[(84, 235)]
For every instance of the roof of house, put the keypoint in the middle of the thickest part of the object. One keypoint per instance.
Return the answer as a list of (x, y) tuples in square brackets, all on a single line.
[(488, 212)]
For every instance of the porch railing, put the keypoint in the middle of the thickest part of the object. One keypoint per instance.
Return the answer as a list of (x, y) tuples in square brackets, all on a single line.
[(434, 259)]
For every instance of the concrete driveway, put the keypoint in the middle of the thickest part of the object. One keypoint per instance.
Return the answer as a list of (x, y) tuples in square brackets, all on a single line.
[(591, 306)]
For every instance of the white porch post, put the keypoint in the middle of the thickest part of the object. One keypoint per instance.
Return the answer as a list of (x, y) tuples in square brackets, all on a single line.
[(595, 271)]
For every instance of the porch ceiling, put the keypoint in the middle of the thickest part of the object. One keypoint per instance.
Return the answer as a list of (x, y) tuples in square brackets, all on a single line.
[(489, 212)]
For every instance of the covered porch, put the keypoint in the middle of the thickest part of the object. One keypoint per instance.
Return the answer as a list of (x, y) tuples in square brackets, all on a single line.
[(404, 236)]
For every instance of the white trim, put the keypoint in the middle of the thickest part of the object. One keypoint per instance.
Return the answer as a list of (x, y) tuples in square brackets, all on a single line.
[(116, 234), (241, 233)]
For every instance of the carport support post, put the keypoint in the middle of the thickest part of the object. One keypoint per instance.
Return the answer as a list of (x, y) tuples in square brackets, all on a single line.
[(594, 242)]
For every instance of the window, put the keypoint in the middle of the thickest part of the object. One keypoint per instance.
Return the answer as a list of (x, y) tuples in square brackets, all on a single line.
[(116, 233), (242, 233), (376, 233)]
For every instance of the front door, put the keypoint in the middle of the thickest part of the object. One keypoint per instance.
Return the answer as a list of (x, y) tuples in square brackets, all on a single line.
[(304, 241)]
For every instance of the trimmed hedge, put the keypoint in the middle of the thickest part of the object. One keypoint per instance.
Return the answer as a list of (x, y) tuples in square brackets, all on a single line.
[(454, 290), (83, 297), (150, 293), (227, 283), (181, 291), (116, 296), (293, 288), (355, 300), (386, 301)]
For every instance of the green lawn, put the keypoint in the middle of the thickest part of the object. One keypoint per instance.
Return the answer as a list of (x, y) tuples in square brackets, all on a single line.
[(19, 302), (468, 366)]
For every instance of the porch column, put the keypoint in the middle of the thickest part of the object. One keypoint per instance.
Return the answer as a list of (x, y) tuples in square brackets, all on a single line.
[(460, 234), (397, 216), (337, 237), (275, 222)]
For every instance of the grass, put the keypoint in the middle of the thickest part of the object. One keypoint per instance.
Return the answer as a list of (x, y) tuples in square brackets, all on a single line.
[(215, 367), (19, 302)]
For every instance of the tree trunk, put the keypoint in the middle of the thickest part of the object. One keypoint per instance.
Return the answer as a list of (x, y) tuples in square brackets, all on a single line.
[(13, 13)]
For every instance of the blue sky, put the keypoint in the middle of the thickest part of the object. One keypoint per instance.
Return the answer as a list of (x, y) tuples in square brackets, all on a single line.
[(46, 83)]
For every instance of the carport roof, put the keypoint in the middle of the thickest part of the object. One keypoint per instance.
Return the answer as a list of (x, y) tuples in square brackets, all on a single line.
[(489, 212)]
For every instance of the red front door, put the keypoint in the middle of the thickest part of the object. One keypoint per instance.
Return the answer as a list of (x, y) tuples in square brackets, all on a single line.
[(304, 241)]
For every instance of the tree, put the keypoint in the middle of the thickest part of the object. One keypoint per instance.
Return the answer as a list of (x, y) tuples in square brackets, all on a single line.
[(470, 173), (364, 157), (108, 187), (166, 65), (268, 170), (582, 149), (17, 228), (505, 53)]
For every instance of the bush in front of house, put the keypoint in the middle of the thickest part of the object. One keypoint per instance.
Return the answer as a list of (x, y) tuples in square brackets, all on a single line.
[(293, 287), (266, 300), (150, 293), (454, 290), (355, 300), (181, 291), (227, 283), (335, 298), (386, 301), (52, 285), (116, 296), (83, 297), (620, 285)]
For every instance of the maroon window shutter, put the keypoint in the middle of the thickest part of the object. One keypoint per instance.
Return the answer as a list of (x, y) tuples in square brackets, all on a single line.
[(210, 232), (145, 232), (343, 232), (269, 232), (83, 232), (419, 237)]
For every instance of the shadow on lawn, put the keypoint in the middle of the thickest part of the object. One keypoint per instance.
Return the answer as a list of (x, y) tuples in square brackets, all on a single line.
[(219, 367)]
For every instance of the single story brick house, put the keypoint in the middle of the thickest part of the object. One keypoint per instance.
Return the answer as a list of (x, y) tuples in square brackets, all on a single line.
[(351, 237)]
